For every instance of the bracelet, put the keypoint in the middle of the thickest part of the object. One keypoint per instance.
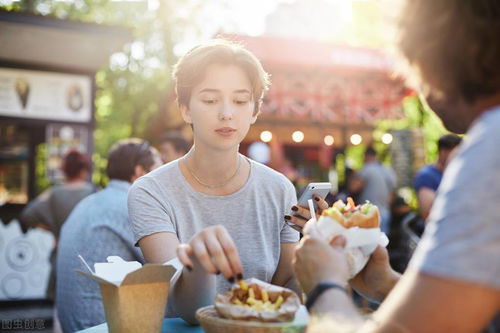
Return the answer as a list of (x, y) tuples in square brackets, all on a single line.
[(318, 290)]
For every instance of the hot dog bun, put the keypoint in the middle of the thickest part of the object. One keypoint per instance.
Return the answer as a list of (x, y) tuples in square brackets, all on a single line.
[(349, 215)]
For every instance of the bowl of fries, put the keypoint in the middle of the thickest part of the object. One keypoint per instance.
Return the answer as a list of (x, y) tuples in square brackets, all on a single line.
[(252, 306)]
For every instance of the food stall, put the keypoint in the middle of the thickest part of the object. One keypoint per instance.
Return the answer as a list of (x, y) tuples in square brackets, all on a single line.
[(47, 90), (323, 96)]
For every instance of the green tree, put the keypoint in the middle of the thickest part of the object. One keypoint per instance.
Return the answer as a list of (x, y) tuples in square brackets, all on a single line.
[(136, 81)]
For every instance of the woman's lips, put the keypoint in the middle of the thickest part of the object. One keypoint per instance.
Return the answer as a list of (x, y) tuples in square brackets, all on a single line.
[(225, 131)]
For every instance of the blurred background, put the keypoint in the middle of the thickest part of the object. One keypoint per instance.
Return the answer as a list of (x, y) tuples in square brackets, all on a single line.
[(82, 74)]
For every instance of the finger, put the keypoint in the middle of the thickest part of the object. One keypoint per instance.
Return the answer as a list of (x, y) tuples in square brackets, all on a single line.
[(184, 251), (380, 254), (218, 256), (231, 252), (296, 227), (201, 253), (322, 204), (298, 220), (338, 241), (301, 211)]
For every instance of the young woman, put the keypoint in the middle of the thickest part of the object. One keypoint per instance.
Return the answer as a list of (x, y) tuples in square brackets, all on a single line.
[(219, 212)]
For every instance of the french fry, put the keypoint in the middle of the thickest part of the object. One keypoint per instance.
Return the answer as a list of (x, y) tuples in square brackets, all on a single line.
[(265, 295), (243, 285), (251, 292), (248, 299), (279, 301), (252, 301)]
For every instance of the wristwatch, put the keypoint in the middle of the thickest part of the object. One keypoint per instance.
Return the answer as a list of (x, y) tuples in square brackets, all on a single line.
[(318, 290)]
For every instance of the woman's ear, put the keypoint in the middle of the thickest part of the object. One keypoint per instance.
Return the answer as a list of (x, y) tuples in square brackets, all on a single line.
[(186, 114), (255, 116)]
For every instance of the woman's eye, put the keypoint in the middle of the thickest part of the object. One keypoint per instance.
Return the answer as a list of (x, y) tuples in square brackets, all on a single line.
[(209, 101), (241, 102)]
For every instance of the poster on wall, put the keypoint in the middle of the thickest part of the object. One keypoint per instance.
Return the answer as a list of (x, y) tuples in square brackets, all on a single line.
[(45, 95), (62, 138)]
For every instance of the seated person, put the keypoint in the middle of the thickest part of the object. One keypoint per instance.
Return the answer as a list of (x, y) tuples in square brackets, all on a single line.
[(51, 208), (97, 228)]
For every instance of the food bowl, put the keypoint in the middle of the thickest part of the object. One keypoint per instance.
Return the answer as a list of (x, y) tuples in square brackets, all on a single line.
[(212, 322)]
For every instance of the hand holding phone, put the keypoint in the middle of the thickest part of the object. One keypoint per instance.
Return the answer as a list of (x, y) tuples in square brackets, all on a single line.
[(300, 216), (320, 189)]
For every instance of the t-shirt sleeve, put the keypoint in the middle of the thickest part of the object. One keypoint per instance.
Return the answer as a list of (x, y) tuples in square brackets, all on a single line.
[(148, 214), (462, 239), (423, 179), (288, 234)]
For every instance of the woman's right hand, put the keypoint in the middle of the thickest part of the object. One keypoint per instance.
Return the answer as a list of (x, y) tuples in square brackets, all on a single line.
[(214, 249), (300, 215)]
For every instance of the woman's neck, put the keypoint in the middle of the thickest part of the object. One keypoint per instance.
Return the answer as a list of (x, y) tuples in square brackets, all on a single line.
[(212, 166)]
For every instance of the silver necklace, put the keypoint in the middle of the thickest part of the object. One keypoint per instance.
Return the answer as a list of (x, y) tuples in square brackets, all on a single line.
[(216, 185)]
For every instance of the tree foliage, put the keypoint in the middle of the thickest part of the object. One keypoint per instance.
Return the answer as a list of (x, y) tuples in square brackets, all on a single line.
[(135, 83)]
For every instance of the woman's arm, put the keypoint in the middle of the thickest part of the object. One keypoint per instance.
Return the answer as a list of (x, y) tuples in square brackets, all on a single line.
[(283, 276), (210, 251)]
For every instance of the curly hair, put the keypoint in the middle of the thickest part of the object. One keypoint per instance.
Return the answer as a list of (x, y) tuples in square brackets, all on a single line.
[(451, 47)]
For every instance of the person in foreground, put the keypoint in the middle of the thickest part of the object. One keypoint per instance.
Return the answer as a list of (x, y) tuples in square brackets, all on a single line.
[(453, 281), (97, 228), (219, 212)]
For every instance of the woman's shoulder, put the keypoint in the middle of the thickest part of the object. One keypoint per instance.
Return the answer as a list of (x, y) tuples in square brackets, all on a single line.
[(165, 177), (263, 173)]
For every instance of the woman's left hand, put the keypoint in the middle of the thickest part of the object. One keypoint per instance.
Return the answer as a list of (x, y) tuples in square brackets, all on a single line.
[(302, 214)]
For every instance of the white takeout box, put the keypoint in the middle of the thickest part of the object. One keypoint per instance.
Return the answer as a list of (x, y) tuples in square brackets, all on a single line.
[(134, 296), (360, 242)]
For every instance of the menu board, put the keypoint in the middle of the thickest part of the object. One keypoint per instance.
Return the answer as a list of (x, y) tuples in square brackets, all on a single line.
[(45, 95)]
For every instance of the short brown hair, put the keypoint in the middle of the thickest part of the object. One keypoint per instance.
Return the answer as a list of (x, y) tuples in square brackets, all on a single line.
[(190, 69), (451, 47), (126, 154), (75, 162)]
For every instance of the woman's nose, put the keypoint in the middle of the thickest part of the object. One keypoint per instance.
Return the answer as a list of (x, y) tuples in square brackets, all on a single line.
[(226, 112)]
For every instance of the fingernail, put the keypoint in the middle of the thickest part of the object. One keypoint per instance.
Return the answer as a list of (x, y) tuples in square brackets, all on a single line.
[(316, 198), (189, 268), (295, 208), (217, 273), (239, 276), (288, 217), (231, 279)]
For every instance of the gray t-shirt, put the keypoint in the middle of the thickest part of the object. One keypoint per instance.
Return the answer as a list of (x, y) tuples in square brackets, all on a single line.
[(462, 239), (163, 201)]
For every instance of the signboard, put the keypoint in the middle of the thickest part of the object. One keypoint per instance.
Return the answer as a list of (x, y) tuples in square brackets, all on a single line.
[(45, 95)]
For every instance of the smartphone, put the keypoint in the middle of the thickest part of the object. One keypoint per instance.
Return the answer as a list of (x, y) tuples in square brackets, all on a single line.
[(321, 189)]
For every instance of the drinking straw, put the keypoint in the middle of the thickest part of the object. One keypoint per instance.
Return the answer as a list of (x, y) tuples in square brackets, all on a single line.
[(311, 209)]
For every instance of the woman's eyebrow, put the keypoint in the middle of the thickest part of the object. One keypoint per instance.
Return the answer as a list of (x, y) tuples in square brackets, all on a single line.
[(240, 91), (208, 90)]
